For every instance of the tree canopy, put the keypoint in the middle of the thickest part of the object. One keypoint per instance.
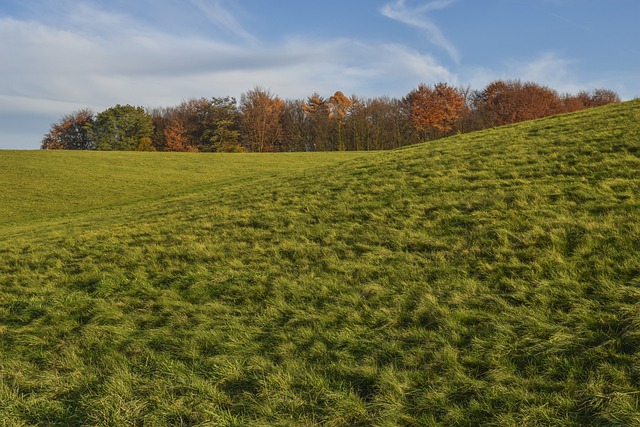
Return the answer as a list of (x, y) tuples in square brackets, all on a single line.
[(122, 127), (262, 121), (435, 109), (72, 132)]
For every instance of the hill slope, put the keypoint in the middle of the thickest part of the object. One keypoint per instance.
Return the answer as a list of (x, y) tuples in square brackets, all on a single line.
[(487, 279), (44, 184)]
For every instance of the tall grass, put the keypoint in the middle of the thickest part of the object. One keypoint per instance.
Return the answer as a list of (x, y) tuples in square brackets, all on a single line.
[(487, 279)]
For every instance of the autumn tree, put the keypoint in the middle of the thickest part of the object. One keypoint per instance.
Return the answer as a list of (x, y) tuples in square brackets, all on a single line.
[(585, 98), (571, 103), (294, 127), (160, 120), (264, 122), (260, 121), (72, 132), (386, 119), (198, 124), (434, 110), (122, 127), (601, 97), (356, 126), (317, 111), (539, 101), (339, 106), (212, 124), (175, 136), (588, 99), (467, 121), (512, 101), (378, 124)]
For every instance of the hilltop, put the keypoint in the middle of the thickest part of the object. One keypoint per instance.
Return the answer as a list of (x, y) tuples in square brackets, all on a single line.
[(491, 278)]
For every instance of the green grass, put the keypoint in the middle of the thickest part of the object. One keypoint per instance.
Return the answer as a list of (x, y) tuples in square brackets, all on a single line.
[(44, 184), (487, 279)]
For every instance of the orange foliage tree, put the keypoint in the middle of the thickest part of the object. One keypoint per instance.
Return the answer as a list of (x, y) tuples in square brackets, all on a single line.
[(434, 110), (175, 135), (571, 103), (264, 122), (505, 102), (72, 132), (339, 106), (260, 124)]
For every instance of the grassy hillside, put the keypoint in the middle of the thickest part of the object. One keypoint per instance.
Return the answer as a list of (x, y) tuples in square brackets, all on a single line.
[(45, 184), (487, 279)]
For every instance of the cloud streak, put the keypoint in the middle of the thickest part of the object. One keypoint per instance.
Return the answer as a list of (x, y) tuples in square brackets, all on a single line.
[(547, 68), (215, 11), (53, 68), (44, 62), (417, 17)]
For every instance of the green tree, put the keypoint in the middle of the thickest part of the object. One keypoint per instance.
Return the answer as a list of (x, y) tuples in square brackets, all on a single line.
[(145, 144), (123, 128), (211, 124)]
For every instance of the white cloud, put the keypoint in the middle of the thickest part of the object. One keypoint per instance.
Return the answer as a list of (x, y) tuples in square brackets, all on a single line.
[(549, 69), (13, 104), (70, 68), (215, 11), (416, 17), (49, 70)]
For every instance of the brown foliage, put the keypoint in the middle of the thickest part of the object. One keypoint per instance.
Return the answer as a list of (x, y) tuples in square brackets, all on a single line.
[(175, 135), (505, 102), (316, 110), (339, 106), (203, 124), (70, 133), (435, 108), (572, 103), (316, 105), (264, 122), (261, 120), (601, 97)]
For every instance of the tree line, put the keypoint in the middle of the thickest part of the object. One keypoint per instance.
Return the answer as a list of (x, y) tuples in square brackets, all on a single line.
[(263, 122)]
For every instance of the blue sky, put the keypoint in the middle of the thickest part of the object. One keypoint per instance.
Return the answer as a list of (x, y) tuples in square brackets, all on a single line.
[(57, 56)]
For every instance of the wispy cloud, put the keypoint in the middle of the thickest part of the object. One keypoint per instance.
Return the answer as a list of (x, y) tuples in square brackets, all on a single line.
[(50, 67), (417, 17), (571, 22), (547, 68), (122, 56), (216, 12)]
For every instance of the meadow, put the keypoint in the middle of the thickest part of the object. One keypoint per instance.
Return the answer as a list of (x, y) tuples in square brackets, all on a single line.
[(490, 278)]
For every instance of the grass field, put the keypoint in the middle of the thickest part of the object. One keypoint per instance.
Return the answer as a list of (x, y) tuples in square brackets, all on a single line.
[(48, 184), (491, 278)]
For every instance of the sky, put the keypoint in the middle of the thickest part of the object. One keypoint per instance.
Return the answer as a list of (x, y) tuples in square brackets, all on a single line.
[(59, 56)]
